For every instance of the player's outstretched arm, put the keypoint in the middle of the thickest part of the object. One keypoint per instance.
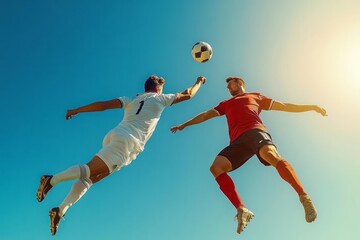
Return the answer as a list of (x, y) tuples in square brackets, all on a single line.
[(191, 91), (289, 107), (202, 117), (94, 107)]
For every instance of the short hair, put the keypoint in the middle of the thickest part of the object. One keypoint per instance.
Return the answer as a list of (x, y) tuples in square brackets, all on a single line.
[(236, 79), (153, 82)]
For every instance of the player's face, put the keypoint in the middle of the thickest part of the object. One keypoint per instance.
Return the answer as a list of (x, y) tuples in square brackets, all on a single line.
[(234, 87)]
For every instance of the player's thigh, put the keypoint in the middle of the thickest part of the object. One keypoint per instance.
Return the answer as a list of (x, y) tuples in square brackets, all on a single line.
[(97, 178), (220, 165), (270, 154), (98, 169), (236, 154)]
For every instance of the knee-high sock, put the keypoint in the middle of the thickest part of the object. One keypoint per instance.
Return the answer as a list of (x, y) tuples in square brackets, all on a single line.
[(75, 172), (78, 190), (227, 186), (288, 174)]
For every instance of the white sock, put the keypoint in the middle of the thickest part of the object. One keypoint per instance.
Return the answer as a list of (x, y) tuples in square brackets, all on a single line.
[(78, 189), (75, 172)]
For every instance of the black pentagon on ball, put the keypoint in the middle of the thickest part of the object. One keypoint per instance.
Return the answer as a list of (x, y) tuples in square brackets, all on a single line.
[(204, 48), (198, 54)]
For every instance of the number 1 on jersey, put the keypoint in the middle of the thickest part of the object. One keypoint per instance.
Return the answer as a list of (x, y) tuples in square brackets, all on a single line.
[(141, 105)]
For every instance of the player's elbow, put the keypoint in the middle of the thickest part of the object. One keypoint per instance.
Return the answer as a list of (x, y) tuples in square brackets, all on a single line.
[(188, 94)]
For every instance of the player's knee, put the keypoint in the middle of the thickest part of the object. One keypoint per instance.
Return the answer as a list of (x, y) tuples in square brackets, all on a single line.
[(84, 171), (275, 156), (269, 152), (270, 156), (220, 165), (212, 169), (85, 176), (87, 182), (216, 170)]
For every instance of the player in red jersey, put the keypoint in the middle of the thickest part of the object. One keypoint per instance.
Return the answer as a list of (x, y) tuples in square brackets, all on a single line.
[(248, 137)]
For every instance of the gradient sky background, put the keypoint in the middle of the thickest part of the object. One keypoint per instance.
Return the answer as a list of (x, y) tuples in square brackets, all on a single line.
[(57, 55)]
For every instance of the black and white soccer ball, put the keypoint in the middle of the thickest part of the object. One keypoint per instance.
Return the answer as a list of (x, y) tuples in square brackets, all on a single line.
[(201, 52)]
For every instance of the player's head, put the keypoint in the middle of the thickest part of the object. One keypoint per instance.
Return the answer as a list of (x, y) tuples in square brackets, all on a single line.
[(154, 84), (235, 85)]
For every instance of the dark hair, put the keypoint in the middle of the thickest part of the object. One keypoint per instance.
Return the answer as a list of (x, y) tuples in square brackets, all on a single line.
[(237, 79), (153, 82)]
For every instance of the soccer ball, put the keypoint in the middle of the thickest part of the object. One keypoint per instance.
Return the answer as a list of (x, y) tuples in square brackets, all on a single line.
[(201, 52)]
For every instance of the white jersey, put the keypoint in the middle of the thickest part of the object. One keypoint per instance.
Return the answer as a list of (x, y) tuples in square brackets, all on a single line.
[(123, 143), (143, 113)]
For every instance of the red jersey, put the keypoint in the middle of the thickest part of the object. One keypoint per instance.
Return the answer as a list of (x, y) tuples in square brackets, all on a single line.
[(242, 113)]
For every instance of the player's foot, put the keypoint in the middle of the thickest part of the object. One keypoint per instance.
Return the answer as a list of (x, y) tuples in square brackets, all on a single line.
[(44, 187), (54, 220), (243, 216), (310, 211)]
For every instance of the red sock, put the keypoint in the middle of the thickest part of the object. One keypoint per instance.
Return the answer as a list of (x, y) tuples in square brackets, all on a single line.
[(288, 174), (227, 186)]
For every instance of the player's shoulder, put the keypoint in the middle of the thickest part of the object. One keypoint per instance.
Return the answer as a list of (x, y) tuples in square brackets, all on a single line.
[(257, 95), (166, 94), (224, 101), (125, 99), (157, 97)]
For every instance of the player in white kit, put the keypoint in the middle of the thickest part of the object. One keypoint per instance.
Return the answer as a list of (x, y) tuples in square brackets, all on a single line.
[(120, 146)]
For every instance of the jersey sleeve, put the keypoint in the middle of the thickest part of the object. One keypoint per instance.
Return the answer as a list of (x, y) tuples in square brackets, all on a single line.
[(167, 99), (125, 101), (265, 102), (220, 108)]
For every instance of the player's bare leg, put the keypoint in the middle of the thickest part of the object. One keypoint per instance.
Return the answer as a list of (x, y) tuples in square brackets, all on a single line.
[(98, 169), (285, 170), (220, 165), (219, 169)]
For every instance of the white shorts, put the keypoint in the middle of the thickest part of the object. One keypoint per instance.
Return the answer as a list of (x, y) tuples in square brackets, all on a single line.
[(119, 149)]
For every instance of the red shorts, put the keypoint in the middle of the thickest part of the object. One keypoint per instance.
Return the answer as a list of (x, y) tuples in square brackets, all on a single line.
[(246, 146)]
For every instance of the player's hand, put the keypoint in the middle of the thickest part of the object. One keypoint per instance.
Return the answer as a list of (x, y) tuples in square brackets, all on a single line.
[(320, 110), (201, 79), (70, 113), (176, 128)]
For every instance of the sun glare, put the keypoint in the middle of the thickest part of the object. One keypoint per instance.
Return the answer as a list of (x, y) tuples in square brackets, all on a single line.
[(353, 64)]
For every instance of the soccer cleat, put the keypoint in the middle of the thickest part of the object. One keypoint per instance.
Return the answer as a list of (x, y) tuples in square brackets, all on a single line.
[(54, 220), (310, 211), (44, 187), (243, 216)]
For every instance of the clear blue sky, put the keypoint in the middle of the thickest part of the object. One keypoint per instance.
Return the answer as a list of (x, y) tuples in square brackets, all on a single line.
[(57, 55)]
